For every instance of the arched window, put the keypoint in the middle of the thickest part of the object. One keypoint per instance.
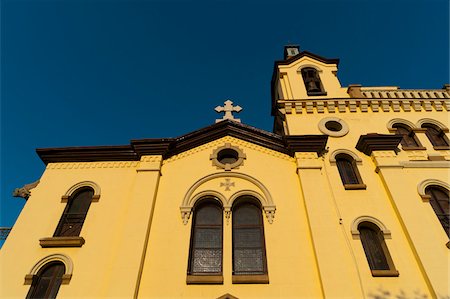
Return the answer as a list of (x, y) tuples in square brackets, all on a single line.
[(436, 136), (376, 251), (440, 201), (47, 281), (205, 256), (409, 138), (349, 173), (312, 82), (75, 213), (249, 251)]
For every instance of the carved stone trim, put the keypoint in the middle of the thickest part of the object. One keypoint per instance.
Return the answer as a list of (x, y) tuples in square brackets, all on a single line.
[(430, 182), (322, 127), (440, 125), (253, 279), (228, 166), (68, 267), (355, 186), (227, 296), (204, 279), (79, 185), (355, 157), (191, 197), (25, 191), (385, 273), (378, 142), (61, 242), (354, 226)]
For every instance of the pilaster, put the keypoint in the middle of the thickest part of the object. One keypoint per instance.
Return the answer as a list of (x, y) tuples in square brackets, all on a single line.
[(333, 258)]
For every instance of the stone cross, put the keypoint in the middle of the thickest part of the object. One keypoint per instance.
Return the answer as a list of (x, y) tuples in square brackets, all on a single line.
[(227, 184), (228, 108)]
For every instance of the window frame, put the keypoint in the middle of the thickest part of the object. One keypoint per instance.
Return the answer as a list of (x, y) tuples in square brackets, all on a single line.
[(379, 237), (254, 278), (204, 277), (351, 164), (303, 72), (54, 284), (438, 138), (435, 204), (408, 137)]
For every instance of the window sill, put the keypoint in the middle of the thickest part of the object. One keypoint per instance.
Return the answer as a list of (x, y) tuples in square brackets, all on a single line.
[(355, 186), (316, 93), (413, 148), (61, 242), (256, 279), (385, 273), (441, 147), (204, 279)]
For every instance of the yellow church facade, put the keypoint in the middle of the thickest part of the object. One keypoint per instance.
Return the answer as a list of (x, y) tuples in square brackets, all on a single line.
[(347, 198)]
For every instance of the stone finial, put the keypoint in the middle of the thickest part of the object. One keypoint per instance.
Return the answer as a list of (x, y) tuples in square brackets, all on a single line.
[(24, 191), (228, 108), (446, 87), (354, 91)]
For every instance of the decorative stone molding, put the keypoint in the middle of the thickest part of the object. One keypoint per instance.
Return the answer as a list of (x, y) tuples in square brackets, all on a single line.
[(394, 121), (68, 267), (79, 185), (440, 125), (355, 157), (25, 191), (61, 242), (227, 296), (307, 160), (362, 104), (263, 196), (378, 142), (92, 165), (417, 155), (227, 166), (204, 279), (425, 164), (354, 226), (338, 133), (422, 186), (253, 279), (150, 163)]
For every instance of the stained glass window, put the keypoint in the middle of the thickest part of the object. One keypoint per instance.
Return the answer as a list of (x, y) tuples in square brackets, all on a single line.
[(206, 239), (249, 254)]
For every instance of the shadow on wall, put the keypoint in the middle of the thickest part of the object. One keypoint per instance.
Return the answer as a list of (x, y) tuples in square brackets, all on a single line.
[(380, 293)]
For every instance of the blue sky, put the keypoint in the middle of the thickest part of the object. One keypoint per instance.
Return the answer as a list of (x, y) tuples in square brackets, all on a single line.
[(100, 72)]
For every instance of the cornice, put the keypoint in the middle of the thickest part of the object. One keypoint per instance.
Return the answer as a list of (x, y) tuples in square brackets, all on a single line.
[(378, 142), (343, 105), (168, 147)]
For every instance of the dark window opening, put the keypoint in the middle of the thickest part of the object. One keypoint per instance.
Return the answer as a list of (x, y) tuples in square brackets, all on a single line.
[(227, 156), (440, 201), (46, 283), (436, 135), (348, 170), (409, 138), (75, 213), (333, 125), (312, 82)]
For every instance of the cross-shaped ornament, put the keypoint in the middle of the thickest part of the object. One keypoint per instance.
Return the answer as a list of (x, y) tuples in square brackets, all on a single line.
[(228, 108), (227, 184)]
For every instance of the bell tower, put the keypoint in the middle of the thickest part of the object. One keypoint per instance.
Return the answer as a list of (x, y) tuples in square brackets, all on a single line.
[(300, 82)]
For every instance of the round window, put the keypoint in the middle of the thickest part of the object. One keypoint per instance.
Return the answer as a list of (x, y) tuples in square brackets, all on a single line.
[(333, 125), (227, 156)]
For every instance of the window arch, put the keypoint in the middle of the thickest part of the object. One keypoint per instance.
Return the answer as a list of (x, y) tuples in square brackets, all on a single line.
[(375, 249), (409, 140), (75, 213), (206, 249), (436, 136), (249, 250), (348, 171), (440, 201), (312, 82), (47, 281)]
